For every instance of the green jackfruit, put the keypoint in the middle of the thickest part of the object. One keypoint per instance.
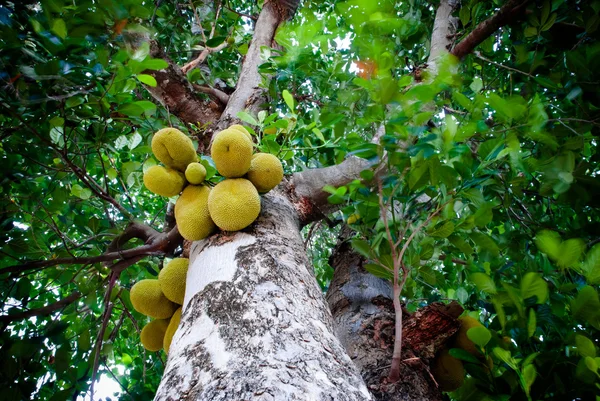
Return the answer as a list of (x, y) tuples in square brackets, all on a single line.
[(231, 151), (153, 334), (195, 173), (148, 299), (191, 213), (164, 181), (234, 204), (266, 172), (461, 340), (172, 279), (173, 148), (173, 325), (240, 128), (448, 371)]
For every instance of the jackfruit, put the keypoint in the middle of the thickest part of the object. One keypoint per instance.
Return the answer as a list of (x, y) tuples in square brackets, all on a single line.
[(240, 128), (461, 340), (172, 279), (148, 299), (191, 213), (231, 151), (153, 334), (234, 204), (266, 172), (173, 325), (173, 148), (164, 181), (353, 218), (448, 371), (195, 173)]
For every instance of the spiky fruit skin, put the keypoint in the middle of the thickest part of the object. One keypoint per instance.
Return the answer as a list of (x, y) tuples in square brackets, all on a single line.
[(448, 371), (172, 279), (153, 334), (195, 173), (173, 325), (164, 181), (191, 213), (241, 129), (148, 299), (173, 148), (461, 340), (231, 151), (266, 172), (234, 204)]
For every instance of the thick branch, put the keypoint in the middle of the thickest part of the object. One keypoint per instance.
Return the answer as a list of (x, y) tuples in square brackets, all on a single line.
[(43, 311), (443, 28), (511, 10), (133, 230)]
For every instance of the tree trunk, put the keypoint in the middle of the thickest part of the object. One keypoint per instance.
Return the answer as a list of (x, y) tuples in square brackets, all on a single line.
[(255, 325)]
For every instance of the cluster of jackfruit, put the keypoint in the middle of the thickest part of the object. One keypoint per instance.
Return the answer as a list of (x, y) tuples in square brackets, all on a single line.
[(161, 299), (449, 371), (234, 203)]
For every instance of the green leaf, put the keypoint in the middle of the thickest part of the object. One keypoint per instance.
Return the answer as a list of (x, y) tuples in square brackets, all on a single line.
[(479, 335), (505, 357), (289, 99), (483, 282), (80, 192), (591, 267), (147, 79), (319, 134), (591, 364), (442, 231), (585, 346), (531, 323), (529, 374), (586, 306), (379, 271), (242, 115), (549, 243), (570, 253), (477, 85), (362, 247), (532, 284), (59, 28), (463, 355)]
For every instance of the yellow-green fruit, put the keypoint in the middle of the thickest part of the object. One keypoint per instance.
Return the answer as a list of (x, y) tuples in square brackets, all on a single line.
[(241, 129), (195, 173), (448, 371), (191, 213), (353, 218), (266, 172), (148, 299), (153, 334), (164, 181), (172, 279), (173, 148), (231, 151), (173, 325), (234, 204), (462, 340)]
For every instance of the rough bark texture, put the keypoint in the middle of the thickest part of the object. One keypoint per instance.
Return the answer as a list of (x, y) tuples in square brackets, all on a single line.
[(364, 319), (255, 325)]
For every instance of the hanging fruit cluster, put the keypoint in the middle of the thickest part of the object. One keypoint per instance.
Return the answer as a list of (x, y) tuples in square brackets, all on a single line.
[(161, 299)]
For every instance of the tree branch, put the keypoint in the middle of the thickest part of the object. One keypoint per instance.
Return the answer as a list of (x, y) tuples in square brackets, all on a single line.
[(43, 311), (511, 10)]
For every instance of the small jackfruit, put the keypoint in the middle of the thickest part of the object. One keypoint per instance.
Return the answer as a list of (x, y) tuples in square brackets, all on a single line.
[(195, 173), (461, 340), (153, 334), (173, 325), (172, 279), (266, 172), (173, 148), (353, 218), (148, 299), (241, 129), (448, 371), (191, 213), (234, 204), (231, 151), (164, 181)]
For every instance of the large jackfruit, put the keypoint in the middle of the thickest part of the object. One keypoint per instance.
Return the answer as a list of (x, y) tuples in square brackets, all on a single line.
[(241, 129), (164, 181), (173, 148), (173, 325), (462, 341), (153, 334), (448, 371), (148, 299), (231, 151), (266, 172), (195, 173), (191, 213), (172, 279), (234, 204)]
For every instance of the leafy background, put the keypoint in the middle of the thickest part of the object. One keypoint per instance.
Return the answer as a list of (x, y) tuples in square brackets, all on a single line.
[(505, 140)]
